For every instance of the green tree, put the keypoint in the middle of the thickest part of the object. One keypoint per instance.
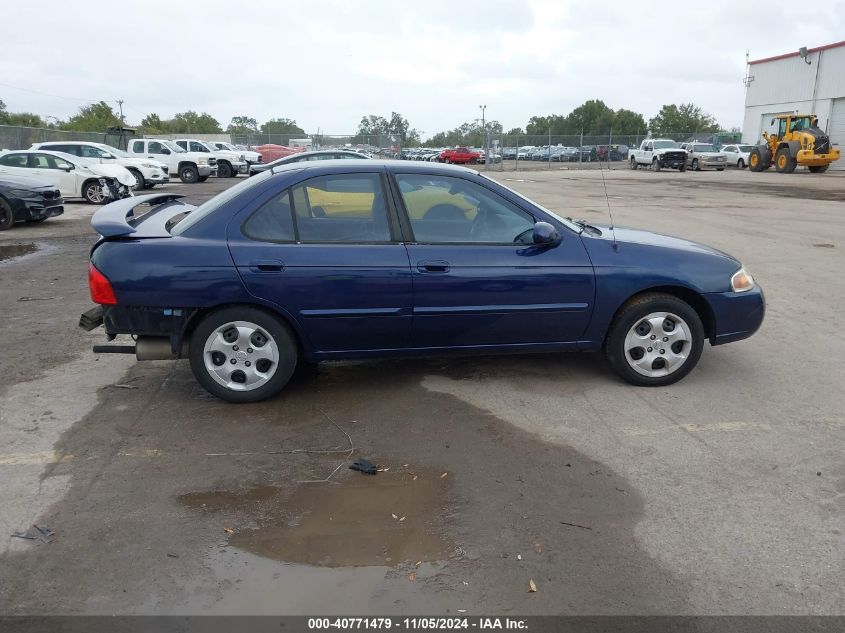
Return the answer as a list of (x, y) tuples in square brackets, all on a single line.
[(396, 126), (687, 118), (192, 123), (516, 131), (97, 117), (152, 124), (242, 125), (281, 126), (628, 122)]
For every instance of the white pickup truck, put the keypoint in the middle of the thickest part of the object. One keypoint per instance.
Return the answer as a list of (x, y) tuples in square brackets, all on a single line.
[(252, 158), (228, 163), (658, 153), (189, 166)]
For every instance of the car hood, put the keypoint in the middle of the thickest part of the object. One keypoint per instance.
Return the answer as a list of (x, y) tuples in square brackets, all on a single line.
[(22, 181), (624, 235), (708, 154), (122, 174)]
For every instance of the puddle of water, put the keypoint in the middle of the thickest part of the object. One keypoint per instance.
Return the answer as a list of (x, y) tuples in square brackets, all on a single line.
[(346, 524), (10, 251)]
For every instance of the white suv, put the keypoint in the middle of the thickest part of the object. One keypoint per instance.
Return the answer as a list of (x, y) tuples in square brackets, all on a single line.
[(251, 158), (229, 163), (147, 172)]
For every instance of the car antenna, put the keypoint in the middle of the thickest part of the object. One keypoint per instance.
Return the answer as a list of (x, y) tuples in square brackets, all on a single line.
[(607, 200)]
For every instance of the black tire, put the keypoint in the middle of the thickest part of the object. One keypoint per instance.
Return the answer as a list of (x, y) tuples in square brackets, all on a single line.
[(276, 332), (785, 162), (760, 158), (634, 163), (189, 174), (695, 166), (224, 169), (655, 164), (202, 178), (7, 217), (140, 183), (635, 311), (740, 164), (720, 169), (818, 169), (682, 167), (92, 192), (149, 185)]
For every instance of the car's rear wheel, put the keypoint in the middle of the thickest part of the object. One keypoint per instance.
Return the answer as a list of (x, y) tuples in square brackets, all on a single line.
[(740, 164), (243, 354), (7, 218), (655, 340)]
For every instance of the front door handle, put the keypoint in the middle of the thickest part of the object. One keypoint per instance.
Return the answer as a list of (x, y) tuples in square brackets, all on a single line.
[(266, 266), (436, 266)]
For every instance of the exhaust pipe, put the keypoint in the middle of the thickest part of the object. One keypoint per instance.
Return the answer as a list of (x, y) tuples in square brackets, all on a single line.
[(157, 348)]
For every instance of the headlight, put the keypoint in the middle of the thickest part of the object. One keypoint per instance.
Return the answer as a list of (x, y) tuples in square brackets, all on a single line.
[(741, 281), (201, 161), (149, 165)]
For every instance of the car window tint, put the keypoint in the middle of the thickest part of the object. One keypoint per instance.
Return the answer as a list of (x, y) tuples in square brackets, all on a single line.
[(196, 147), (13, 160), (138, 147), (43, 161), (341, 208), (89, 152), (444, 209), (155, 147), (273, 221), (182, 144)]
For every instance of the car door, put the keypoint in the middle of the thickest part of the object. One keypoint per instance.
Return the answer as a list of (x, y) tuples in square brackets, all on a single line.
[(57, 171), (479, 280), (327, 250)]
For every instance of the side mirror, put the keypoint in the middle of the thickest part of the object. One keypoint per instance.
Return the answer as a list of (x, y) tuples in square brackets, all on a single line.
[(545, 234), (69, 168), (164, 150)]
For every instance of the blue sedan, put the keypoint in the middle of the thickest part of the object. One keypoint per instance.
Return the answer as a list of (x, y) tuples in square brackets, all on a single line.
[(352, 259)]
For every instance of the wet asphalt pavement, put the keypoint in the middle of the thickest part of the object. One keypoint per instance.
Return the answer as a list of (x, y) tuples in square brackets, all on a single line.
[(722, 494)]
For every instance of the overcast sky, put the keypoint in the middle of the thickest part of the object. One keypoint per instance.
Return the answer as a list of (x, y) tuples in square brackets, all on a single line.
[(328, 63)]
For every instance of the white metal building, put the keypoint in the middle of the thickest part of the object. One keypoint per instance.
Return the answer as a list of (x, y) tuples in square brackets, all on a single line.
[(811, 81)]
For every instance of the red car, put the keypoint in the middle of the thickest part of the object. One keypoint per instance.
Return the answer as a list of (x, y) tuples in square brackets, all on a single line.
[(459, 156), (271, 152)]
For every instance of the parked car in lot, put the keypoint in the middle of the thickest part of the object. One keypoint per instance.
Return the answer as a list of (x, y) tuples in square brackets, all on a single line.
[(704, 156), (229, 164), (189, 166), (147, 171), (250, 156), (355, 259), (737, 155), (270, 151), (27, 200), (509, 153), (460, 156), (74, 176), (523, 152), (307, 156), (658, 153)]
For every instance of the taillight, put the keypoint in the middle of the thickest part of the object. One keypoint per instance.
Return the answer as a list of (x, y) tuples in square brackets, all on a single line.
[(101, 290)]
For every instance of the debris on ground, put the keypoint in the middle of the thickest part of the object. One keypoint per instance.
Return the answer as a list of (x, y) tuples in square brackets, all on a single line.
[(172, 555), (532, 586), (37, 533), (364, 466), (412, 576), (120, 386), (519, 557), (228, 530), (443, 476), (583, 527)]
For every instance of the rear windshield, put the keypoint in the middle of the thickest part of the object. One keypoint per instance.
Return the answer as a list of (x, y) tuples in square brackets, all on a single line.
[(216, 202)]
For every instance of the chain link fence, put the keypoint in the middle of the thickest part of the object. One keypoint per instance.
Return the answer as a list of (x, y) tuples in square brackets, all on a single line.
[(17, 137), (383, 145)]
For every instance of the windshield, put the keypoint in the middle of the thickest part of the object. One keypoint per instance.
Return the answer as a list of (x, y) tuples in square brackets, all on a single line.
[(117, 152), (173, 147), (569, 223), (745, 148), (703, 148), (664, 144), (216, 202)]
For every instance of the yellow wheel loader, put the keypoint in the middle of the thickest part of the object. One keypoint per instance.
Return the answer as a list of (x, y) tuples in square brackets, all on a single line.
[(798, 141)]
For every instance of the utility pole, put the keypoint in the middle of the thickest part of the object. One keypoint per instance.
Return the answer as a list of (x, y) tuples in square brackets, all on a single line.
[(484, 138), (120, 103)]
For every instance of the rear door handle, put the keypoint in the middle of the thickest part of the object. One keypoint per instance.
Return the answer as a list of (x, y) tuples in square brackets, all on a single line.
[(266, 266), (437, 266)]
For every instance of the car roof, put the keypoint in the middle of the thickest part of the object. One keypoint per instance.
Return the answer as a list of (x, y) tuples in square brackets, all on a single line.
[(52, 143), (370, 164)]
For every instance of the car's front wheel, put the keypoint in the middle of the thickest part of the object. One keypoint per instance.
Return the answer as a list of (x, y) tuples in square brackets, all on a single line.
[(188, 174), (7, 217), (243, 354), (740, 164), (655, 340), (93, 193)]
